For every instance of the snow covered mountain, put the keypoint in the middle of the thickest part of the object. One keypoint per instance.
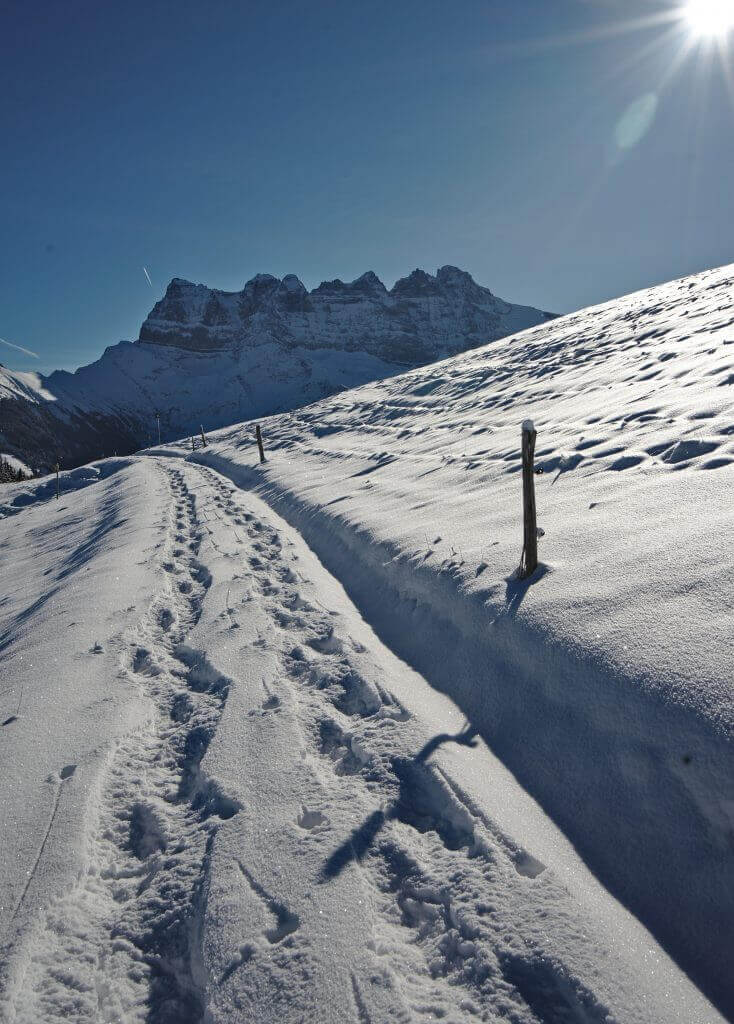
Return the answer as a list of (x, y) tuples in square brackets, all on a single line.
[(210, 357), (292, 742)]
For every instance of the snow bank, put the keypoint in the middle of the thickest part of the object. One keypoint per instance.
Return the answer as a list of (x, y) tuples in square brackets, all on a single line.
[(15, 497), (603, 682), (73, 575)]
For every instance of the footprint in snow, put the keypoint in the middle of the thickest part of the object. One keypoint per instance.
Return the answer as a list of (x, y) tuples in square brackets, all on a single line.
[(271, 703), (311, 820)]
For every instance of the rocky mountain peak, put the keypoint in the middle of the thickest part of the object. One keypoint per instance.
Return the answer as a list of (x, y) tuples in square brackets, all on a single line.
[(423, 317), (370, 284), (416, 284), (453, 277)]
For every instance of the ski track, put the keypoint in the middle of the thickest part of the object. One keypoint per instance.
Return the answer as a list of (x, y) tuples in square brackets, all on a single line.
[(125, 942)]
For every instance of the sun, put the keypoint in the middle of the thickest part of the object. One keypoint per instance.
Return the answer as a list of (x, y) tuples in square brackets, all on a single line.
[(710, 17)]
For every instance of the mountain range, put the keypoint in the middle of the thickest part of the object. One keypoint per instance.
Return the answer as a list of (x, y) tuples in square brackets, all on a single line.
[(207, 357)]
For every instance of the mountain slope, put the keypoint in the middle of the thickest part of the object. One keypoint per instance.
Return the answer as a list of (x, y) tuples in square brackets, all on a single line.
[(308, 750), (210, 357), (604, 684)]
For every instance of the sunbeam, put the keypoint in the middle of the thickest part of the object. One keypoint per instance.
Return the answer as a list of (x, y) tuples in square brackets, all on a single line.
[(713, 18)]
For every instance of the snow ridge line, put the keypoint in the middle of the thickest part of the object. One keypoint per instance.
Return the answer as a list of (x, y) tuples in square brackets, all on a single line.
[(531, 701), (124, 943)]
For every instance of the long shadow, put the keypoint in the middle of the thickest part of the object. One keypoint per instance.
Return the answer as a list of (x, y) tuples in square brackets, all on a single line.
[(10, 634), (73, 561), (362, 837), (108, 519), (385, 461), (516, 589)]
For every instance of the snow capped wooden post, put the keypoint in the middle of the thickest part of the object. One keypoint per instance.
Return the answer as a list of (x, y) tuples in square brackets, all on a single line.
[(203, 438), (56, 467), (529, 561), (259, 436)]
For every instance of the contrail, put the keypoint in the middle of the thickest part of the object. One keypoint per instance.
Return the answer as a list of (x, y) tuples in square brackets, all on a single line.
[(145, 271), (19, 348)]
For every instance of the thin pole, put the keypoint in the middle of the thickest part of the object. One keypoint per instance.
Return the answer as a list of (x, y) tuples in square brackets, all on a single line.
[(530, 526), (57, 481), (158, 418), (259, 436)]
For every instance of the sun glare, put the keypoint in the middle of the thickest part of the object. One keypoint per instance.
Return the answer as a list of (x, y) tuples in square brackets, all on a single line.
[(710, 17)]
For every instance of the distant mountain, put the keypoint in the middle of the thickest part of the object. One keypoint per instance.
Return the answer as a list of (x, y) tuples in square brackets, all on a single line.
[(210, 357)]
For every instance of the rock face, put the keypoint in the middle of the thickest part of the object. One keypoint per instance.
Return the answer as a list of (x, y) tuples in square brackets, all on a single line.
[(422, 318), (206, 356)]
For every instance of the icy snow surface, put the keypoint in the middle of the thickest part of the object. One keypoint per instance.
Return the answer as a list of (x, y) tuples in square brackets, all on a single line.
[(291, 742)]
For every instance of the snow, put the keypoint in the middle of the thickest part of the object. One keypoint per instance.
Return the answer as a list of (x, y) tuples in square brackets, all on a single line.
[(16, 463), (331, 760), (15, 497), (213, 357)]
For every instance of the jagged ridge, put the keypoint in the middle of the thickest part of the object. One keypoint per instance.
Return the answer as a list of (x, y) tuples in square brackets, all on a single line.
[(206, 356), (423, 317)]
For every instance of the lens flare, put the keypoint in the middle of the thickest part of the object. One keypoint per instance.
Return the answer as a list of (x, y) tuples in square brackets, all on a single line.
[(710, 17)]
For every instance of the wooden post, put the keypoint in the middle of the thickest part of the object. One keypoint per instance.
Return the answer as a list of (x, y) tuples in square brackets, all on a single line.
[(259, 436), (529, 561), (193, 446), (203, 439), (158, 418), (57, 480)]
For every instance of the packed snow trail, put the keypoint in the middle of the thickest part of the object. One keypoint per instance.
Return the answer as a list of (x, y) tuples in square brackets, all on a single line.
[(121, 943), (300, 828), (72, 574), (371, 845)]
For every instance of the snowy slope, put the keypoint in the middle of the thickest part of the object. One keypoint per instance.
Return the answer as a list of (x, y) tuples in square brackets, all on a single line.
[(609, 678), (229, 800), (210, 357), (346, 767)]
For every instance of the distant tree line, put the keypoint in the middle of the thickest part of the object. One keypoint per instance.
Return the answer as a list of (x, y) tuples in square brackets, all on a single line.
[(8, 475)]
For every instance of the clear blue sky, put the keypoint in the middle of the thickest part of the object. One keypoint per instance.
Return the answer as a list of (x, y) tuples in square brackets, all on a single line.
[(543, 146)]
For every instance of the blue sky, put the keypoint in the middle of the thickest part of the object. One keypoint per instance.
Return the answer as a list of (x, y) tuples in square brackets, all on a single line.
[(546, 147)]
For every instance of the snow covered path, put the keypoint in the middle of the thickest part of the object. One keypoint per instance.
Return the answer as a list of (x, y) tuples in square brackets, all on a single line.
[(381, 847), (287, 822), (118, 944)]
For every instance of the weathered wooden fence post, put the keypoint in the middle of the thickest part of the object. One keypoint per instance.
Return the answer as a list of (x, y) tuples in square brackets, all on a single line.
[(530, 537), (203, 438), (259, 436), (56, 467)]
